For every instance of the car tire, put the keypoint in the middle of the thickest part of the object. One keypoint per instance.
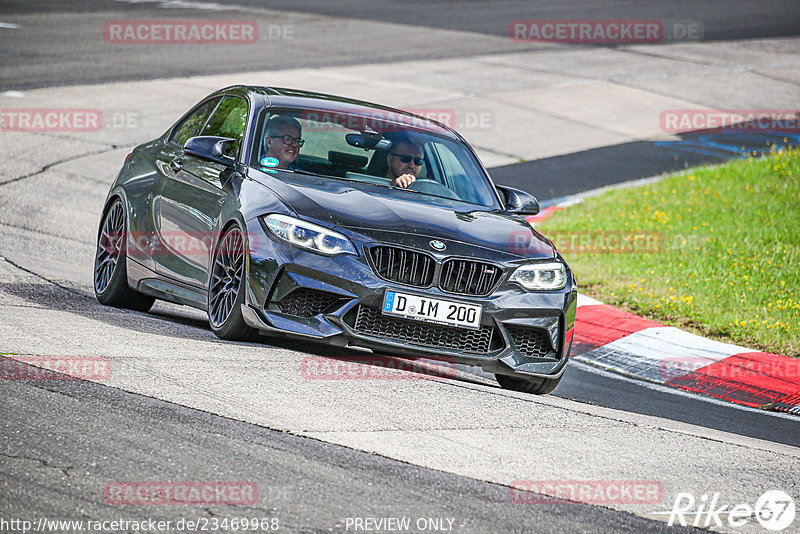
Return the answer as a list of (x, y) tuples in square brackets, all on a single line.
[(110, 264), (226, 287), (536, 386)]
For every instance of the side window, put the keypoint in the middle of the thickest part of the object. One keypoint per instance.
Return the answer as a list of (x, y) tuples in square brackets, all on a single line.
[(455, 174), (190, 127), (228, 121)]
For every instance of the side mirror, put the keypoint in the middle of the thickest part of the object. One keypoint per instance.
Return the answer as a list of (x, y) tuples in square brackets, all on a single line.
[(209, 148), (518, 201)]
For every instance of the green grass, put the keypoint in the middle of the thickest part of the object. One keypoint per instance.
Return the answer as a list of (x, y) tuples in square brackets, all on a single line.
[(724, 254)]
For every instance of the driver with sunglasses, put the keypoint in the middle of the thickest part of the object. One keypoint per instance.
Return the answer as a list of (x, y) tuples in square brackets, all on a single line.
[(404, 160), (282, 141)]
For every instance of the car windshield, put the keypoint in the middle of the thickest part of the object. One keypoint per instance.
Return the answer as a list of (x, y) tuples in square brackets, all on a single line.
[(360, 149)]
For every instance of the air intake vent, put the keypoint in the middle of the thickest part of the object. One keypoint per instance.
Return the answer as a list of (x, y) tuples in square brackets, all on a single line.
[(371, 322), (402, 266), (467, 277), (304, 302), (532, 342)]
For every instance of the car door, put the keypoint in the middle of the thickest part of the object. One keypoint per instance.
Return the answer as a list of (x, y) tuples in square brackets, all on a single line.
[(192, 197), (165, 155)]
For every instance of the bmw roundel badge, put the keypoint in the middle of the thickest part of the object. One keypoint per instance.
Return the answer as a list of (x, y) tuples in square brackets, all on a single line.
[(438, 245)]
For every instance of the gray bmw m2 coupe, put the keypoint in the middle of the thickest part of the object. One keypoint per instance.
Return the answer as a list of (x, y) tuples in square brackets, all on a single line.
[(302, 214)]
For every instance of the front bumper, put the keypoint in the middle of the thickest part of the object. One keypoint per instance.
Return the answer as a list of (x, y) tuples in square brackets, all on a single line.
[(338, 301)]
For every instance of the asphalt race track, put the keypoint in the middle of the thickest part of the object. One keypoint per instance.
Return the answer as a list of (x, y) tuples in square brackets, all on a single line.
[(304, 482), (182, 405)]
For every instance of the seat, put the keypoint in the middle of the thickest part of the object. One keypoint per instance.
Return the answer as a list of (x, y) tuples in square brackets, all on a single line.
[(378, 166)]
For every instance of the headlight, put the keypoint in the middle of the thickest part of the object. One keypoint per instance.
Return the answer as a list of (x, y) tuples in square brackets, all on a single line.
[(308, 235), (540, 276)]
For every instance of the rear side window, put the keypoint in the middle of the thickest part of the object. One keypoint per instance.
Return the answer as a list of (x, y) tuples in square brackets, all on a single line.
[(228, 120), (191, 125)]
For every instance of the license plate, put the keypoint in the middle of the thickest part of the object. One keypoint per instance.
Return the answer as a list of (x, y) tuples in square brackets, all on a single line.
[(432, 310)]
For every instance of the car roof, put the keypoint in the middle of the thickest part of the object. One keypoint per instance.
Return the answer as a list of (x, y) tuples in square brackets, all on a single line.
[(296, 98)]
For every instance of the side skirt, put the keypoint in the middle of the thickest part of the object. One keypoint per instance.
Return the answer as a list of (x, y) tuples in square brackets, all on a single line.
[(148, 282)]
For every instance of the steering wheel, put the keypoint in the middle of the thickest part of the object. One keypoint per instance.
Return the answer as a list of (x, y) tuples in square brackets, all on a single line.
[(426, 185)]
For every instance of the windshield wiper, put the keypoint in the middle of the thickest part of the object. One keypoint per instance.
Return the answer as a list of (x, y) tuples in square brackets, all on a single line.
[(307, 173)]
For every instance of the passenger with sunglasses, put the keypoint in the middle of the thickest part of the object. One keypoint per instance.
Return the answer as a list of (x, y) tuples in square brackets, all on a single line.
[(404, 160), (282, 141)]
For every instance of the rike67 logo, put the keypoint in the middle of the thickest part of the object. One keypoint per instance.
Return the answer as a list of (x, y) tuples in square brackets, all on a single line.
[(774, 511)]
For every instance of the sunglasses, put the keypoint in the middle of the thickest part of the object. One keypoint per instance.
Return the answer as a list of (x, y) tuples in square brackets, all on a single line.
[(407, 159), (289, 140)]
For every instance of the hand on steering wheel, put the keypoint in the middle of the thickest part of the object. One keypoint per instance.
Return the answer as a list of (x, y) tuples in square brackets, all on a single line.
[(404, 180)]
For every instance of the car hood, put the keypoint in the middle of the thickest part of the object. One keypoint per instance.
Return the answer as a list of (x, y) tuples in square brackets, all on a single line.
[(369, 210)]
